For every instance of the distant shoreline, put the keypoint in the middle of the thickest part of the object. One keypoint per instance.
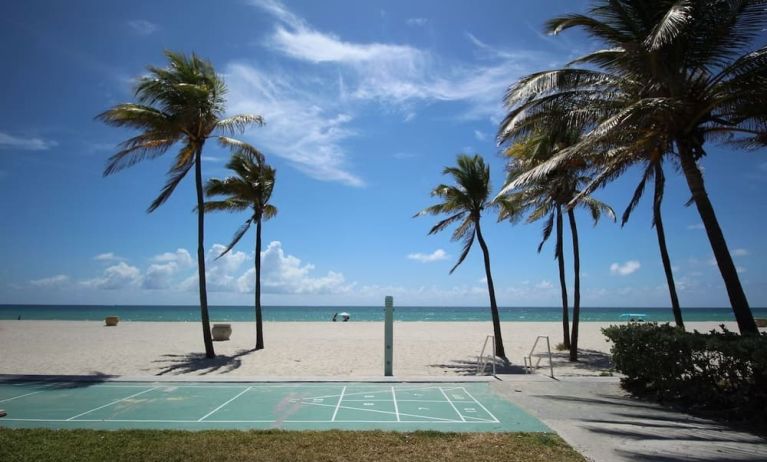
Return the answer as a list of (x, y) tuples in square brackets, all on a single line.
[(191, 313)]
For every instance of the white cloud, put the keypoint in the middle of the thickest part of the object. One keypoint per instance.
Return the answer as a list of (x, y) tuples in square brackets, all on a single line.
[(52, 282), (545, 285), (181, 257), (740, 252), (25, 144), (286, 274), (143, 27), (420, 22), (696, 226), (108, 257), (119, 276), (437, 255), (159, 276), (624, 269), (740, 269)]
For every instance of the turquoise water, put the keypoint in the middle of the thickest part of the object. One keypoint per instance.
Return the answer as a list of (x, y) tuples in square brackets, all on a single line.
[(358, 313)]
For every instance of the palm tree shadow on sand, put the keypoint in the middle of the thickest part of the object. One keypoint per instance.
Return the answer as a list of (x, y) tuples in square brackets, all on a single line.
[(588, 360), (197, 363)]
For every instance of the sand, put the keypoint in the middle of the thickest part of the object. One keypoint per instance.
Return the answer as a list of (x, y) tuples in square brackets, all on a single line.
[(293, 349)]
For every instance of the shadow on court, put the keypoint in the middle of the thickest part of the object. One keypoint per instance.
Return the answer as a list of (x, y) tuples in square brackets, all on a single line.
[(55, 382), (198, 363)]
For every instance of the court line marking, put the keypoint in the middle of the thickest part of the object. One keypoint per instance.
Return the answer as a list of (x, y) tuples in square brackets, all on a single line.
[(216, 409), (21, 396), (480, 404), (375, 391), (238, 421), (394, 399), (453, 405), (387, 412), (398, 400), (338, 404), (113, 402)]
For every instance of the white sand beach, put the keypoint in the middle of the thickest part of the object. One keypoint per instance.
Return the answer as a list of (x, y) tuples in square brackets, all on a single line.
[(293, 349)]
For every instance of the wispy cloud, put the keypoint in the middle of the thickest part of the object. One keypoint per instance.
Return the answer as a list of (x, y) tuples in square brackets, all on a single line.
[(57, 281), (143, 27), (400, 74), (696, 226), (740, 252), (624, 269), (301, 127), (437, 255), (108, 257), (25, 144), (416, 22)]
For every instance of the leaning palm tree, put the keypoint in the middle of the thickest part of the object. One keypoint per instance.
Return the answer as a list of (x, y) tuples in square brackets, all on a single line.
[(250, 189), (464, 202), (654, 170), (674, 74), (547, 198), (181, 104)]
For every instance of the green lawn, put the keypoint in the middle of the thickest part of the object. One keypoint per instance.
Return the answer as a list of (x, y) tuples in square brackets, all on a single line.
[(275, 445)]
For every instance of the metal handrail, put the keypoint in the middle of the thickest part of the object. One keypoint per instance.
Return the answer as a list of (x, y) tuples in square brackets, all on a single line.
[(528, 360), (481, 363)]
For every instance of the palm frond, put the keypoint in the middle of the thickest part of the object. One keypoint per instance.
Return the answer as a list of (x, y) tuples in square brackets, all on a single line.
[(237, 236), (238, 123), (466, 248), (678, 16), (176, 174)]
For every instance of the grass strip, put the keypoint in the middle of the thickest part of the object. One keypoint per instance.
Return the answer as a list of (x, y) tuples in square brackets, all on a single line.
[(275, 445)]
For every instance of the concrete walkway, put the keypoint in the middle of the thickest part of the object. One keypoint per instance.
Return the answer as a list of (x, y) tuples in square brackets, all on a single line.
[(597, 418)]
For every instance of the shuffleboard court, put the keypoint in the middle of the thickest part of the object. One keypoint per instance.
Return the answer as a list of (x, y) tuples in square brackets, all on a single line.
[(463, 407)]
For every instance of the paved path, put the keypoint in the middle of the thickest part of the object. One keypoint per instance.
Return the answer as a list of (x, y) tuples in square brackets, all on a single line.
[(603, 423)]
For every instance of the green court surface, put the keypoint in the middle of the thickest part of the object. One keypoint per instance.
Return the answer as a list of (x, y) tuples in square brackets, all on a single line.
[(463, 407)]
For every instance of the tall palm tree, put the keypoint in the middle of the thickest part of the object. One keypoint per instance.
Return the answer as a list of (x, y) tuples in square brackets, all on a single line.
[(676, 73), (464, 202), (654, 170), (250, 189), (547, 198), (181, 104)]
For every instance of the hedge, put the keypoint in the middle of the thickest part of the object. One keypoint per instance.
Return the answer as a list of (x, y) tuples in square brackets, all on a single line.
[(719, 371)]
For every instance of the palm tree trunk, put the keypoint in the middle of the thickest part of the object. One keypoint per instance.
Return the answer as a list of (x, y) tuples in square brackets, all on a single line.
[(576, 288), (209, 352), (562, 281), (259, 324), (737, 296), (499, 351), (658, 222)]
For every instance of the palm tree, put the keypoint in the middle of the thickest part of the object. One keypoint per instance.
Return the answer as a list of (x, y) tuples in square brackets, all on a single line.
[(547, 198), (654, 170), (464, 202), (183, 103), (251, 188), (675, 74)]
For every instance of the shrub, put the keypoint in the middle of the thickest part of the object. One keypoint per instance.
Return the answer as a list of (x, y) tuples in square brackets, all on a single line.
[(718, 371)]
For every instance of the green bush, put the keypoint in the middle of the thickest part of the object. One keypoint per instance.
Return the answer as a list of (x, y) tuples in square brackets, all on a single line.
[(719, 371)]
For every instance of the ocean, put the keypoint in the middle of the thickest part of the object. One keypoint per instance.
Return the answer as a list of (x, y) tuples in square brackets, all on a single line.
[(358, 313)]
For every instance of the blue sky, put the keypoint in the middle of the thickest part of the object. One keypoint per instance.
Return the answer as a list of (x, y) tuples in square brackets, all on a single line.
[(365, 103)]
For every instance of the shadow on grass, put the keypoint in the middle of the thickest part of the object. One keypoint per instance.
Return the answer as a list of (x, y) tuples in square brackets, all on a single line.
[(198, 363)]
